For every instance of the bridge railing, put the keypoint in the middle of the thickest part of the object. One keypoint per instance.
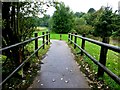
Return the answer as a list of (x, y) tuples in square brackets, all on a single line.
[(47, 35), (102, 68)]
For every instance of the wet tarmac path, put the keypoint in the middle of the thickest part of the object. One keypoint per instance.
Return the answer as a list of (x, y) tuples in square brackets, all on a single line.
[(59, 69)]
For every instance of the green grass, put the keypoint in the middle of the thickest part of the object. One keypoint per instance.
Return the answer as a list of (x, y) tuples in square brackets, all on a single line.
[(112, 61), (57, 36)]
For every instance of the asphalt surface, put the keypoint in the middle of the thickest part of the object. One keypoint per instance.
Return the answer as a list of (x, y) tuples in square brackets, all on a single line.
[(59, 69)]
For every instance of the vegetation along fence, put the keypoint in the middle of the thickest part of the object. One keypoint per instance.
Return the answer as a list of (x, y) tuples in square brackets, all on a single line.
[(47, 35), (102, 61)]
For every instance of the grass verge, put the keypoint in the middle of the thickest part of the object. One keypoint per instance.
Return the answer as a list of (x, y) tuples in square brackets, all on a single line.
[(90, 69)]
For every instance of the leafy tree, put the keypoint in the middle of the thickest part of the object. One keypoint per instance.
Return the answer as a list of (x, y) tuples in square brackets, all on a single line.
[(79, 14), (116, 25), (19, 20), (45, 20), (91, 10), (104, 25), (81, 26), (62, 19)]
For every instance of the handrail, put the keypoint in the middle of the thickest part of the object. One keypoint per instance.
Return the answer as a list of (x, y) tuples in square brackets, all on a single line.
[(111, 47), (21, 43), (111, 74), (114, 48), (23, 63)]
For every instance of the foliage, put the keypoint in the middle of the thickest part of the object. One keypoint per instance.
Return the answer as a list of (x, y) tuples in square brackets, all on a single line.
[(62, 19), (105, 23), (84, 29), (80, 26), (91, 10), (50, 23), (20, 19), (116, 26), (79, 14), (80, 21), (45, 21)]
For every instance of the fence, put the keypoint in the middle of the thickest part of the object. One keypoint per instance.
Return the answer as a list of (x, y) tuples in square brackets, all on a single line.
[(104, 46), (47, 35)]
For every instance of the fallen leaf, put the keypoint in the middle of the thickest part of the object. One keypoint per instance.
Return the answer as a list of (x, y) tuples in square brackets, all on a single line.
[(53, 80), (41, 84), (66, 81), (38, 81), (61, 78)]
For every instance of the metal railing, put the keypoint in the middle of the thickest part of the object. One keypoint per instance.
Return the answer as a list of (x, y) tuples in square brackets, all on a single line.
[(47, 35), (103, 45)]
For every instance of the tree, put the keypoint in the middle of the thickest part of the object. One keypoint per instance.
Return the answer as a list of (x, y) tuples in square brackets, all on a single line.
[(116, 25), (104, 25), (62, 19), (81, 26), (91, 10), (45, 20), (79, 14), (19, 20)]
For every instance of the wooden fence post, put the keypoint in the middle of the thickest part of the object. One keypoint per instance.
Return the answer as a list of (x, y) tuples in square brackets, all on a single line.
[(71, 38), (43, 40), (68, 36), (36, 44), (83, 44), (75, 40), (60, 36), (47, 38), (103, 56)]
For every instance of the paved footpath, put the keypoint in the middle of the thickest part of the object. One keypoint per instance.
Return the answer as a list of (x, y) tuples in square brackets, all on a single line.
[(59, 69)]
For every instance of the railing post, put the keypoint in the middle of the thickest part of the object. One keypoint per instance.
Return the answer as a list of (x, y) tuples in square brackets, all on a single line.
[(47, 38), (43, 40), (68, 36), (75, 40), (36, 44), (60, 36), (71, 38), (103, 56), (83, 44)]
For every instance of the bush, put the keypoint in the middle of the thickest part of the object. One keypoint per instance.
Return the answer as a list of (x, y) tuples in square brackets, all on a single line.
[(87, 29)]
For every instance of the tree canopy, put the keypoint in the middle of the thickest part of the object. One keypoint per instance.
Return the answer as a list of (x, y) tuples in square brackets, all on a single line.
[(91, 10), (62, 19), (18, 22), (105, 24)]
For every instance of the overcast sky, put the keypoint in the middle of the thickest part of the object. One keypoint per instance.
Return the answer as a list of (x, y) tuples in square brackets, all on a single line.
[(84, 5)]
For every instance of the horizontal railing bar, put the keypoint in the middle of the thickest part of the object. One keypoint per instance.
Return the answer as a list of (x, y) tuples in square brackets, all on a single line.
[(111, 47), (21, 43), (21, 65), (111, 74)]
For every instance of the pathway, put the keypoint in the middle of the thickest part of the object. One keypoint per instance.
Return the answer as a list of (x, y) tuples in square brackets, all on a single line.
[(59, 69)]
